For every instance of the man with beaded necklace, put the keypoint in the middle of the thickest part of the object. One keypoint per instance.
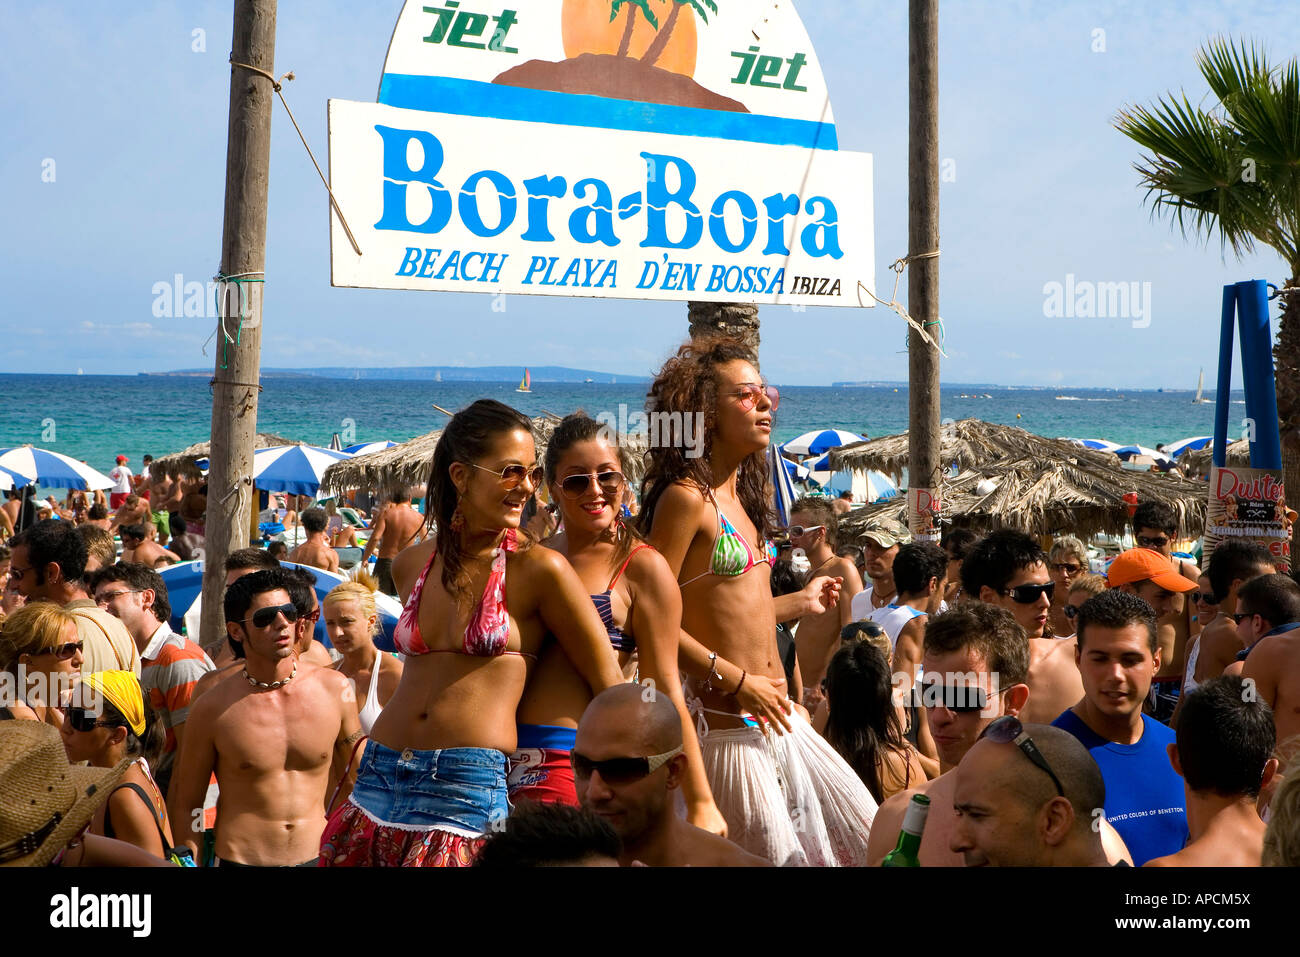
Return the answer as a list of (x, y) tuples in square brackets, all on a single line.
[(280, 735)]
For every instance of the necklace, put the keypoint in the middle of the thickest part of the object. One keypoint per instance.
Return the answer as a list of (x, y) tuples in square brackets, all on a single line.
[(271, 686)]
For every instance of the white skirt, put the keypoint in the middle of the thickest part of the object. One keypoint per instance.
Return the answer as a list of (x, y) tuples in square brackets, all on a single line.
[(789, 797)]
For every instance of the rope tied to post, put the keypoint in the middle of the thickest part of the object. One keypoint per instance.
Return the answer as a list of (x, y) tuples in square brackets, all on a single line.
[(899, 266), (223, 281), (277, 86)]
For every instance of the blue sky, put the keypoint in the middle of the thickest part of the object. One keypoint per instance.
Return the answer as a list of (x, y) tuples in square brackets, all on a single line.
[(135, 122)]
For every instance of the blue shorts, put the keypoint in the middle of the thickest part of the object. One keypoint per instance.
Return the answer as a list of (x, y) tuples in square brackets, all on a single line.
[(460, 790)]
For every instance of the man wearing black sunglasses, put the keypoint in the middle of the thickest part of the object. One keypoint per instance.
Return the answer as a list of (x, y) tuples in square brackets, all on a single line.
[(1010, 815), (627, 762), (280, 736), (1009, 570)]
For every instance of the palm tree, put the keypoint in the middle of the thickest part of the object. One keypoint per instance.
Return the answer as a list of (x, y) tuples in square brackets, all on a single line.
[(739, 320), (661, 39), (632, 6), (1234, 170)]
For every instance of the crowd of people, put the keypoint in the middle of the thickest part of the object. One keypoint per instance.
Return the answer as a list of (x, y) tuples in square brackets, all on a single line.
[(600, 675)]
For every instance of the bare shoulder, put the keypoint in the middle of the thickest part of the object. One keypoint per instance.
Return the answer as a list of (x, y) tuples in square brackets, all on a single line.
[(648, 567), (410, 561), (725, 853), (682, 500)]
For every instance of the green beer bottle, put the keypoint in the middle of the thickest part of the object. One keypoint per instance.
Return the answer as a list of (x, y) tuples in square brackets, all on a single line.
[(905, 852)]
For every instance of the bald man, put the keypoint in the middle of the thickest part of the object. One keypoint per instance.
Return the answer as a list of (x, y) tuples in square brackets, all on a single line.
[(1012, 812), (627, 760)]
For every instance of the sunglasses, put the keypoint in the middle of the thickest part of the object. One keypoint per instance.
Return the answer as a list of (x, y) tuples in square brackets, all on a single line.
[(1204, 597), (1145, 542), (621, 770), (512, 475), (1071, 611), (1008, 730), (264, 617), (799, 531), (750, 391), (1239, 617), (85, 721), (105, 599), (959, 699), (1028, 594), (1068, 568), (17, 573), (64, 652), (575, 486)]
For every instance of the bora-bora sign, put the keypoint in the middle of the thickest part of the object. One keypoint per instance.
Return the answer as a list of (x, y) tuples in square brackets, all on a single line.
[(629, 149)]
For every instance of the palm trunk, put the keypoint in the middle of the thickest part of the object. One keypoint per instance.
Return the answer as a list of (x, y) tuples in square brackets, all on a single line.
[(1286, 358), (738, 320), (626, 44), (662, 37)]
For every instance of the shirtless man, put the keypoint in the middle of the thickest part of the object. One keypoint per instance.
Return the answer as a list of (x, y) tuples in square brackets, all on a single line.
[(133, 511), (1267, 605), (97, 515), (398, 525), (138, 547), (160, 490), (1154, 527), (920, 571), (819, 634), (1008, 815), (229, 654), (278, 739), (881, 538), (316, 550), (1231, 565), (302, 592), (1009, 570), (972, 640), (1274, 662), (627, 762), (1224, 752)]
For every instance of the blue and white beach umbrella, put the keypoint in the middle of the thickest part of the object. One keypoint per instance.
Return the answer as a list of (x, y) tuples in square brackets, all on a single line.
[(782, 483), (296, 469), (1175, 449), (1127, 452), (879, 485), (1100, 444), (30, 465), (797, 472), (185, 585), (365, 448), (823, 440)]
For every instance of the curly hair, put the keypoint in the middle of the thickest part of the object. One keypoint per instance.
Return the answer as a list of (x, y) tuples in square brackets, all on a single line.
[(687, 384)]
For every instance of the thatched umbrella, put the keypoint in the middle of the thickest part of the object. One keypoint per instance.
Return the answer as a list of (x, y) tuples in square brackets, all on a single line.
[(1083, 499), (182, 464), (967, 444), (1198, 462), (408, 463)]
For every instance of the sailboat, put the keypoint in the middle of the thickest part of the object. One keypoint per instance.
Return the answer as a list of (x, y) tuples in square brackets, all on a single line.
[(525, 384), (1200, 388)]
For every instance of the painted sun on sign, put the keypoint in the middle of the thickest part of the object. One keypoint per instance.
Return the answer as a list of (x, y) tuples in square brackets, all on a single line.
[(643, 50)]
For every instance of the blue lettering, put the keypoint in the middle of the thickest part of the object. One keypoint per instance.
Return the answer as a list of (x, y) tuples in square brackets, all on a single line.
[(453, 263), (398, 175), (610, 275), (542, 189), (672, 276), (594, 223), (573, 270), (536, 266), (426, 267), (407, 268), (778, 208), (649, 275), (493, 267), (715, 279), (469, 212), (718, 221), (692, 274), (822, 238), (659, 198), (464, 264)]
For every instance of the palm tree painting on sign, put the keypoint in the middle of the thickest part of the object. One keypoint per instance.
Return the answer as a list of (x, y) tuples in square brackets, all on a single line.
[(1233, 170), (642, 50)]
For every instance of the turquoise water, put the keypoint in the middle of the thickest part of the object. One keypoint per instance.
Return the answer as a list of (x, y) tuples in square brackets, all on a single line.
[(95, 418)]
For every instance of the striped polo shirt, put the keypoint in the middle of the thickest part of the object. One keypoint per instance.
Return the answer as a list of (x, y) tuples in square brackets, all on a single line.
[(171, 666)]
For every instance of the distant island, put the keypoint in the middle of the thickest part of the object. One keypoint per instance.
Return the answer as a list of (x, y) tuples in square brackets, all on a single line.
[(431, 374)]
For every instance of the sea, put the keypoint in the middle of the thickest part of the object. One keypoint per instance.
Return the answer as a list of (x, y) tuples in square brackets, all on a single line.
[(96, 418)]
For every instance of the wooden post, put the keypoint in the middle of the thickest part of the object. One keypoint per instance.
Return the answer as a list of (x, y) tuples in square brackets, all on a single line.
[(925, 473), (235, 385)]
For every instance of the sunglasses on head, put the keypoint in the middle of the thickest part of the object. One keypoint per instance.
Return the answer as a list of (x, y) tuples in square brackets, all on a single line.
[(1008, 730), (1028, 594), (65, 651), (748, 393), (512, 475), (264, 617), (610, 483), (83, 720), (1145, 542), (620, 770)]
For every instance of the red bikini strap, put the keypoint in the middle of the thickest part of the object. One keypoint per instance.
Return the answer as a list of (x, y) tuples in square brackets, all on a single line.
[(618, 574)]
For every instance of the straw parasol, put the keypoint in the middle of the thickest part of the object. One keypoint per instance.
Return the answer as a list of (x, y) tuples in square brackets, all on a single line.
[(1082, 498), (408, 463), (182, 464), (1237, 453), (967, 444)]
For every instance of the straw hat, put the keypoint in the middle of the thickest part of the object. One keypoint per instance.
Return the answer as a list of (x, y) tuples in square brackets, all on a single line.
[(44, 801)]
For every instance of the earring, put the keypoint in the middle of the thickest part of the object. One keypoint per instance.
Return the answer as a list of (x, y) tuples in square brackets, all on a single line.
[(457, 520)]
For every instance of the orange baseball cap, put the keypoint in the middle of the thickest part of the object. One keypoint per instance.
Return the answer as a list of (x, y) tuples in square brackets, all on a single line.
[(1144, 564)]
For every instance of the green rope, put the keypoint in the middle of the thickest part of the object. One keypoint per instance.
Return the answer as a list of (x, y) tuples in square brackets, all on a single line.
[(239, 281)]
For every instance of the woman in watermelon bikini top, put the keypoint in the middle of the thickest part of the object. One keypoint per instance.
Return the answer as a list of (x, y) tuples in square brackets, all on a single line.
[(480, 602), (639, 604)]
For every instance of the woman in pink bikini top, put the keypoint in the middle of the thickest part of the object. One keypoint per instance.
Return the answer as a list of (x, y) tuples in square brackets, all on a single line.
[(481, 600)]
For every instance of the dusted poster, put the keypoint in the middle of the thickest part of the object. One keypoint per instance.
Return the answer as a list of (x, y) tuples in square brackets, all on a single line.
[(1249, 505), (630, 150)]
